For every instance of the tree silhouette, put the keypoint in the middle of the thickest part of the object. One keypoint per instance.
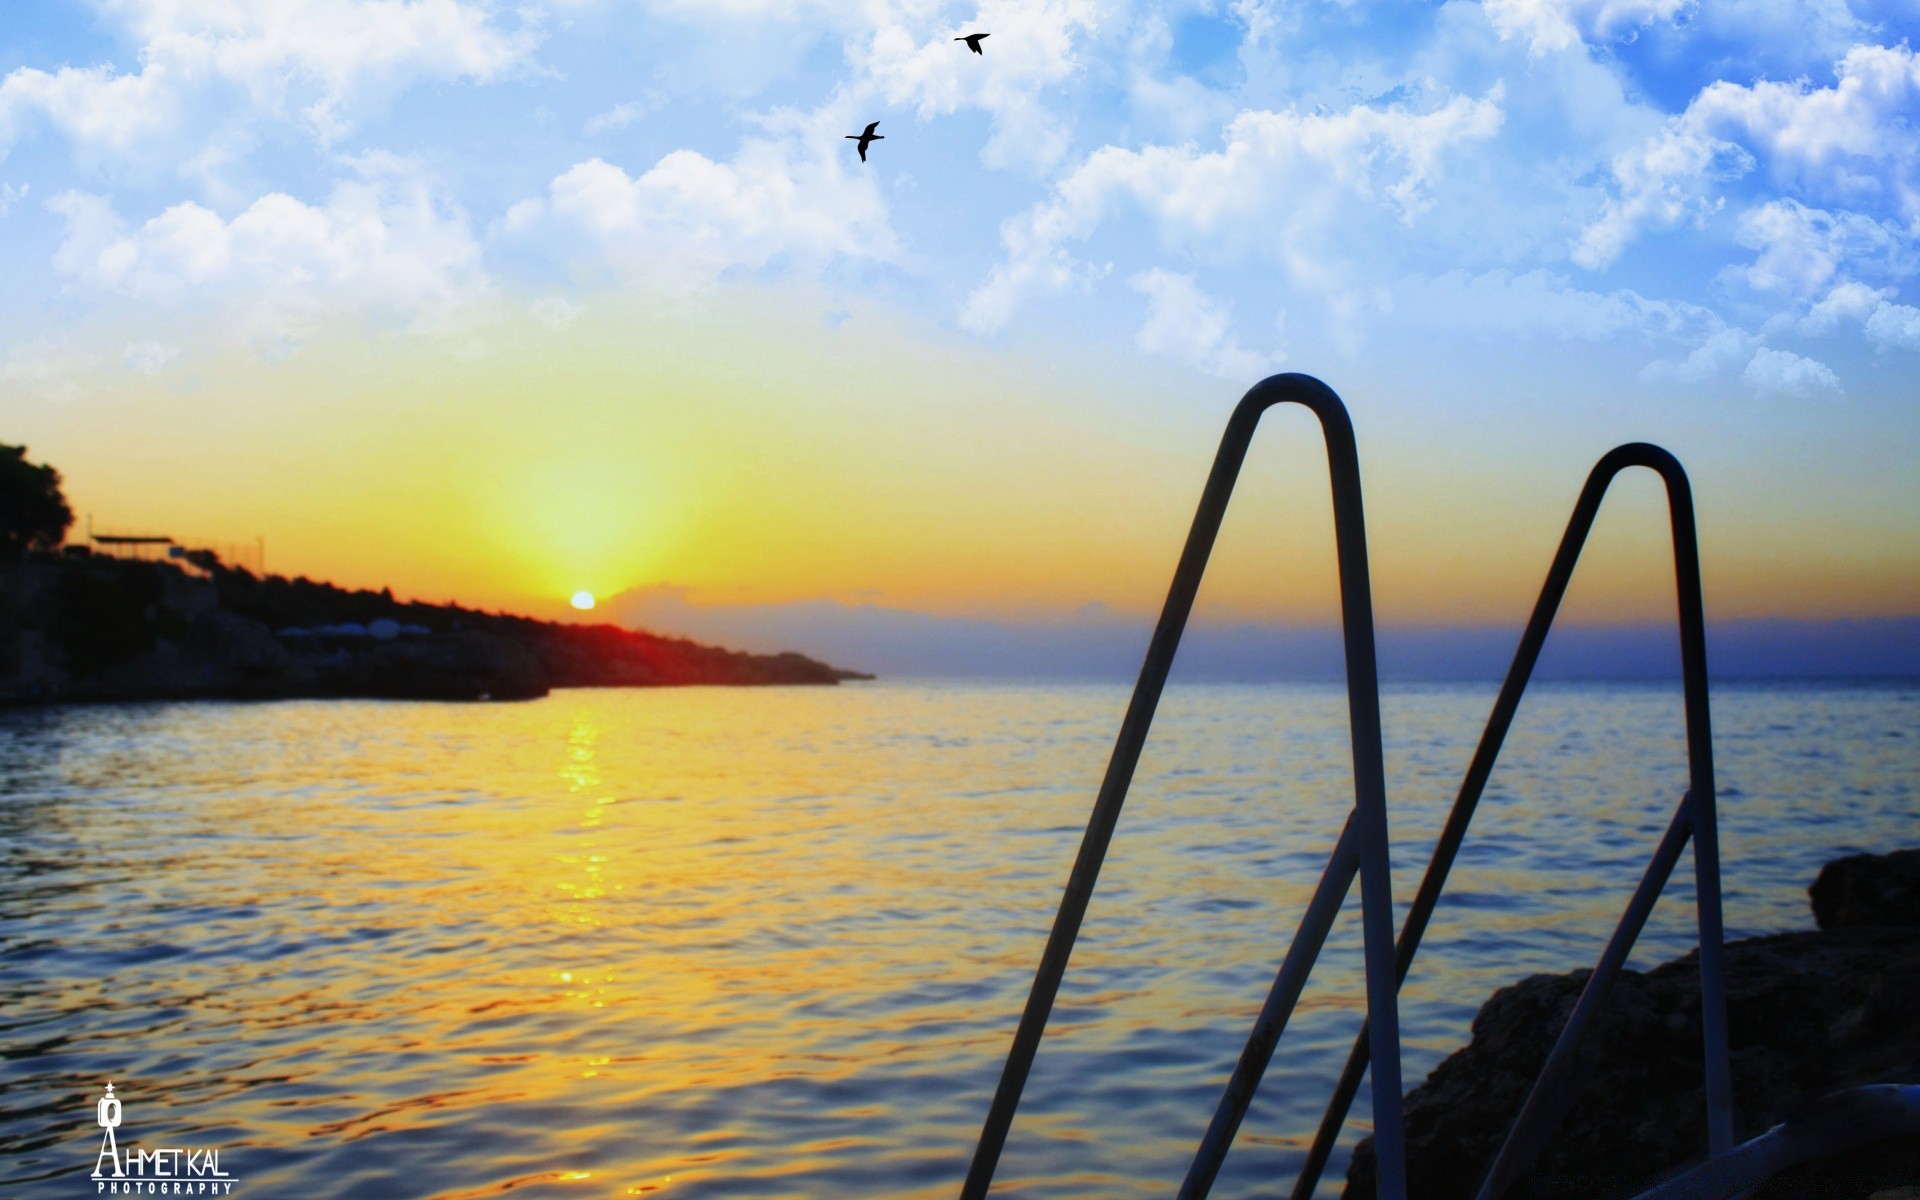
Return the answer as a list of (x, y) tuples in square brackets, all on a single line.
[(33, 513)]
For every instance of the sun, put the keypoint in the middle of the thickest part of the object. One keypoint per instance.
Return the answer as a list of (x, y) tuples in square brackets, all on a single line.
[(583, 600)]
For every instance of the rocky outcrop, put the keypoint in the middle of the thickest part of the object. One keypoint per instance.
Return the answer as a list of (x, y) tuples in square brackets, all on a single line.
[(1808, 1013), (1868, 889), (93, 629)]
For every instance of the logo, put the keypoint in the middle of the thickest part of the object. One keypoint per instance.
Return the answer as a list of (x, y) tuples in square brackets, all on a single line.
[(169, 1172)]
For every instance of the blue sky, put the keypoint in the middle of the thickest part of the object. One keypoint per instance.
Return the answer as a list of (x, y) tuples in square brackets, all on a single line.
[(1531, 216), (1720, 190)]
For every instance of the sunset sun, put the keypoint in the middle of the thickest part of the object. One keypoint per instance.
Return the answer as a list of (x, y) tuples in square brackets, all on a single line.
[(583, 600)]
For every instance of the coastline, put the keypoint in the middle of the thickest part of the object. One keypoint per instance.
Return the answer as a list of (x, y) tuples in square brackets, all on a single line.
[(93, 629)]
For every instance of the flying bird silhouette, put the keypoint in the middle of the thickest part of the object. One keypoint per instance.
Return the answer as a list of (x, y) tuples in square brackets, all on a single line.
[(866, 139), (973, 42)]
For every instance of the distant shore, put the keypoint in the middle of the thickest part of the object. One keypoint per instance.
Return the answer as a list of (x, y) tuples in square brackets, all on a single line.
[(90, 628)]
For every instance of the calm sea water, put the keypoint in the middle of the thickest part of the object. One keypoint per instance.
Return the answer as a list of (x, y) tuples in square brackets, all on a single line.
[(744, 943)]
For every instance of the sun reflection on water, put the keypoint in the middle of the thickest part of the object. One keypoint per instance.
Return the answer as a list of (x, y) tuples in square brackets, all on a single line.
[(772, 942)]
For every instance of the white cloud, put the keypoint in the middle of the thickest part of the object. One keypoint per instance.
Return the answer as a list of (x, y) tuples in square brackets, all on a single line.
[(1895, 325), (1719, 354), (1030, 49), (1872, 310), (1548, 25), (1661, 183), (618, 117), (1185, 323), (1802, 249), (1780, 39), (1768, 373), (97, 108), (318, 61), (782, 11), (1279, 187), (522, 217), (1863, 118), (1541, 303), (1847, 303), (1781, 373), (10, 196), (383, 243), (777, 199), (1853, 141)]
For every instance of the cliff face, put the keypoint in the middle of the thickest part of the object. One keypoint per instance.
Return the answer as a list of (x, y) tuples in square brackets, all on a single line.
[(91, 628)]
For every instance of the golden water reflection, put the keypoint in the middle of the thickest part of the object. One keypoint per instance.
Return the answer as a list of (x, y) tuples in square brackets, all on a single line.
[(773, 942)]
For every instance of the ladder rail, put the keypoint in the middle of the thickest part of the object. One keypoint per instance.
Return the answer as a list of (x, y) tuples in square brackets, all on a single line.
[(1693, 661), (1368, 819), (1836, 1123)]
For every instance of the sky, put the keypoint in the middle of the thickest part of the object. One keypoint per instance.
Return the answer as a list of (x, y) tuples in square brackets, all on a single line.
[(495, 303)]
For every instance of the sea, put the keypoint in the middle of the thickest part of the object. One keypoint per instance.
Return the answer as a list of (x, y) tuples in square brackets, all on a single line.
[(773, 942)]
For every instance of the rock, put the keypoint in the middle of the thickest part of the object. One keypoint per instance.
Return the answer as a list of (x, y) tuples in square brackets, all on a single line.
[(1868, 889), (1808, 1013)]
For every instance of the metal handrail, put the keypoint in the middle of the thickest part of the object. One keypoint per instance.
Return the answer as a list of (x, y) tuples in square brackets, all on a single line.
[(1836, 1123), (1699, 821), (1363, 843)]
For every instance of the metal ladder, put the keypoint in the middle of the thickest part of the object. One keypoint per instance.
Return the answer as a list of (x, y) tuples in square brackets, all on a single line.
[(1695, 817), (1362, 846)]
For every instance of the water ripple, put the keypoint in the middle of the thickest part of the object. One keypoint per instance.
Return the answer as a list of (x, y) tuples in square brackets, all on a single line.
[(772, 942)]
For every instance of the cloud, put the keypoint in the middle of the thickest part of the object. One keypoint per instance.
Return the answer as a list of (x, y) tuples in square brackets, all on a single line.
[(1030, 50), (1541, 303), (1895, 325), (1802, 249), (1767, 372), (1855, 134), (100, 110), (1847, 303), (1718, 355), (1549, 25), (1281, 183), (382, 243), (1426, 171), (1185, 323), (10, 196), (618, 117), (1659, 184), (1852, 142), (1781, 373), (777, 199), (320, 62), (1885, 323)]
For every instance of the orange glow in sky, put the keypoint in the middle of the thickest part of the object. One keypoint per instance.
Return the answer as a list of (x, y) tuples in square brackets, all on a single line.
[(759, 455)]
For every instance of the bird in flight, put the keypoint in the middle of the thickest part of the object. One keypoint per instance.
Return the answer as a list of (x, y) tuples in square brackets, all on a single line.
[(866, 139), (973, 42)]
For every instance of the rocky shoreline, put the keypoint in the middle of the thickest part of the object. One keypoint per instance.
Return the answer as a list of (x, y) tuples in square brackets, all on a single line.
[(1809, 1013), (85, 628)]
